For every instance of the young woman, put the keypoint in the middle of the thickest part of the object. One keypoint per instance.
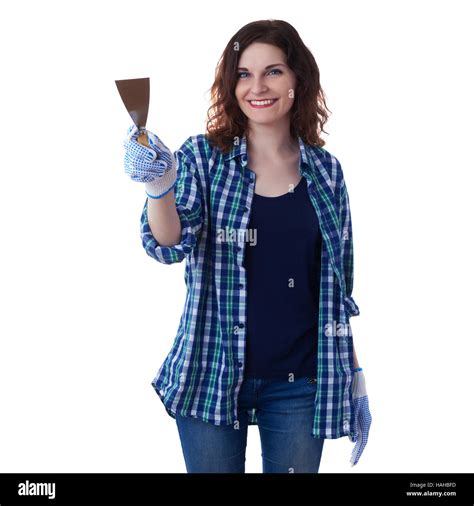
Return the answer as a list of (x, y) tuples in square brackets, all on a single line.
[(260, 212)]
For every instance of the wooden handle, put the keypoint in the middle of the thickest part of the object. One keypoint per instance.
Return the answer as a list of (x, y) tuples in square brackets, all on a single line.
[(143, 139)]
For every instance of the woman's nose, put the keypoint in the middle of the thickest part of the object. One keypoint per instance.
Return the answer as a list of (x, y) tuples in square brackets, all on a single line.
[(259, 87)]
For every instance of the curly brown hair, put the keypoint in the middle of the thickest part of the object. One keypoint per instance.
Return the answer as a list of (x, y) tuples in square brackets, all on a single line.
[(309, 113)]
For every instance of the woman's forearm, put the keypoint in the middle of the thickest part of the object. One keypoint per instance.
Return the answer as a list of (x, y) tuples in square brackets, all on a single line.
[(164, 220)]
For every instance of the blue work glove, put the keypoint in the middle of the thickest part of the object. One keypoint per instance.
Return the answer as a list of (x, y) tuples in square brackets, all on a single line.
[(155, 165), (363, 418)]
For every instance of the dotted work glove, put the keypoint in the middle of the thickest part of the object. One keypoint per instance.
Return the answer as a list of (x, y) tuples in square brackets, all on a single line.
[(363, 418), (155, 165)]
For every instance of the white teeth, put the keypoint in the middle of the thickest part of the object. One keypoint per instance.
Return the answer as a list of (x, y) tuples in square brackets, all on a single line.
[(261, 102)]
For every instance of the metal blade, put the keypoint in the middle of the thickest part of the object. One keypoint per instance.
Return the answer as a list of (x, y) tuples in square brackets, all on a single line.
[(135, 95)]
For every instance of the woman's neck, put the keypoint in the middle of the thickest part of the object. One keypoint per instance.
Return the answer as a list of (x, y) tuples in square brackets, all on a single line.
[(271, 144)]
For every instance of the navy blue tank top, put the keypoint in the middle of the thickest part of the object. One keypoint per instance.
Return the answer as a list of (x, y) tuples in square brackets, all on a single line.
[(283, 273)]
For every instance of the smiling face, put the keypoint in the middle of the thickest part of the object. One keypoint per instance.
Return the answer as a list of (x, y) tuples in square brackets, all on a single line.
[(263, 74)]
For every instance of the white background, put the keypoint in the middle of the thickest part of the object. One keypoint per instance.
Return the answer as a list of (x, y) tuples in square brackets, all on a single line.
[(87, 317)]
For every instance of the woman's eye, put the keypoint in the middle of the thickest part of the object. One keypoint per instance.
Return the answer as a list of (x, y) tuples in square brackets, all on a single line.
[(274, 70)]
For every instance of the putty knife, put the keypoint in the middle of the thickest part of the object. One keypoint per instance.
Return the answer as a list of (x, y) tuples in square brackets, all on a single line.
[(135, 95)]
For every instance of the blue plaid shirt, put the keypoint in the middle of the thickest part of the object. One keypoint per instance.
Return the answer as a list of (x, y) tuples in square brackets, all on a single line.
[(202, 374)]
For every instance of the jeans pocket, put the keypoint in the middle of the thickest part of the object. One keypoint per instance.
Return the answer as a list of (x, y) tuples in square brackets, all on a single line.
[(310, 382)]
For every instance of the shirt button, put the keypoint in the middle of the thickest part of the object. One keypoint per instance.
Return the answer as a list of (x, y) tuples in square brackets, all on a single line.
[(241, 325), (241, 285), (239, 364)]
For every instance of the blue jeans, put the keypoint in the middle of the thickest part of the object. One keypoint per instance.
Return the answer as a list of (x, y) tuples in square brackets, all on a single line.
[(284, 412)]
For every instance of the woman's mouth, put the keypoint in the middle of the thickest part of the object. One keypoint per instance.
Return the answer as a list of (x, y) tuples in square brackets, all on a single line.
[(261, 104)]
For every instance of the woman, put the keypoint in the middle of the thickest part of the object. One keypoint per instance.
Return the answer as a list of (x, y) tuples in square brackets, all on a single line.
[(261, 213)]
